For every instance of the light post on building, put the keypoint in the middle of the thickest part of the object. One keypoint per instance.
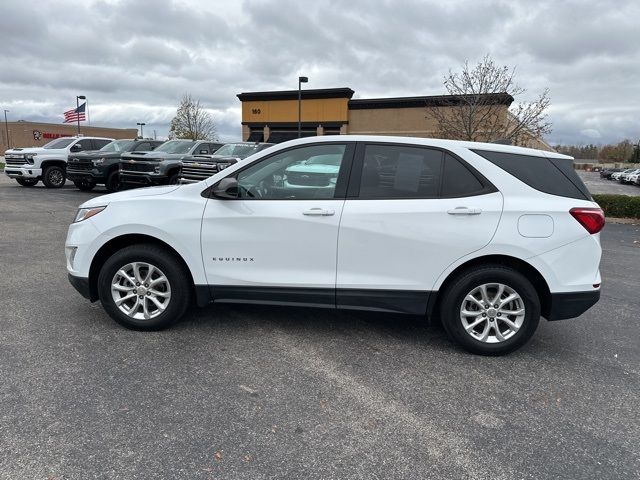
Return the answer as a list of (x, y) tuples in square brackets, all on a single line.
[(301, 80), (6, 126), (141, 129), (78, 98)]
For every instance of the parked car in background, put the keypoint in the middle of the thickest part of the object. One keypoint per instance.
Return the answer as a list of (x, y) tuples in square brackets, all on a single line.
[(162, 165), (616, 175), (28, 166), (634, 178), (88, 169), (607, 172), (624, 177), (198, 167), (486, 238)]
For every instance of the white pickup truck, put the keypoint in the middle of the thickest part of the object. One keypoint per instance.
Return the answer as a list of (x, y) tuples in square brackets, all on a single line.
[(48, 163)]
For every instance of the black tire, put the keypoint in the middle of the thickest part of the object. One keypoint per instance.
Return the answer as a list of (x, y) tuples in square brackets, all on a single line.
[(172, 268), (112, 183), (465, 283), (84, 185), (27, 182), (173, 178), (53, 177)]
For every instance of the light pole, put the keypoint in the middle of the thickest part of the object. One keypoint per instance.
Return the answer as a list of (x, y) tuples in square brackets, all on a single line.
[(141, 130), (6, 125), (78, 98), (301, 80)]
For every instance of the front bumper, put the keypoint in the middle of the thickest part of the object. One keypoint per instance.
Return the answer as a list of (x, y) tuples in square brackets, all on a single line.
[(93, 175), (22, 172), (142, 178), (81, 284), (571, 304)]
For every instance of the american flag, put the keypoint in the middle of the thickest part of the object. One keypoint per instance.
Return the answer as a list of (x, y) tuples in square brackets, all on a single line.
[(75, 115)]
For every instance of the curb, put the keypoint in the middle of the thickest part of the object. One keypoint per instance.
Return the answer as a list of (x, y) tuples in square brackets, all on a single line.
[(623, 221)]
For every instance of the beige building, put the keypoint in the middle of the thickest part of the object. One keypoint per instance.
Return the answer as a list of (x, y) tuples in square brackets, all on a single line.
[(273, 116), (34, 134)]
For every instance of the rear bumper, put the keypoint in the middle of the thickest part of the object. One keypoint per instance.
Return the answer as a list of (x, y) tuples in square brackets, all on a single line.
[(571, 304)]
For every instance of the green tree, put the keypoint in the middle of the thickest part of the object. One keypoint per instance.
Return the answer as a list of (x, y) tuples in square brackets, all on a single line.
[(192, 121)]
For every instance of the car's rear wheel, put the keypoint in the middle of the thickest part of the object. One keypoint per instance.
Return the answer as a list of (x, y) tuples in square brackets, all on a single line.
[(27, 182), (113, 182), (84, 185), (144, 287), (491, 310), (53, 177)]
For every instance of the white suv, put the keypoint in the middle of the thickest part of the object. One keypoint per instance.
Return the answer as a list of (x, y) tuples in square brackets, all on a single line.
[(486, 237), (48, 163)]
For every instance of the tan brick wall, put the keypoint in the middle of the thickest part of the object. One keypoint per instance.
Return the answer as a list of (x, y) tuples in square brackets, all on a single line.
[(21, 134)]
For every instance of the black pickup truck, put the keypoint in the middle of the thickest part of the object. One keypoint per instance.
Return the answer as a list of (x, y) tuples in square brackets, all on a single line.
[(198, 167), (162, 166), (88, 169)]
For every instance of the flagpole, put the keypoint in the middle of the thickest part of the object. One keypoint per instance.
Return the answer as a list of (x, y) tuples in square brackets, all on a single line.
[(77, 114), (78, 98)]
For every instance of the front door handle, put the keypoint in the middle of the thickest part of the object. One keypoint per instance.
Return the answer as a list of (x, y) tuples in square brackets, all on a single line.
[(464, 211), (318, 212)]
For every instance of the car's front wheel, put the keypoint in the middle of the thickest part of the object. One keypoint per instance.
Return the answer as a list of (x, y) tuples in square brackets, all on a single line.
[(84, 185), (27, 182), (53, 177), (491, 310), (113, 182), (144, 287)]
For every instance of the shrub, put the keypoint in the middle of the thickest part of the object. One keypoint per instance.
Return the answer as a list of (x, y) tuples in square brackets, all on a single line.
[(623, 206)]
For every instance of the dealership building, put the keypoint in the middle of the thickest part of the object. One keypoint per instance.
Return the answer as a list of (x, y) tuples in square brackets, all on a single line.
[(273, 116), (35, 134)]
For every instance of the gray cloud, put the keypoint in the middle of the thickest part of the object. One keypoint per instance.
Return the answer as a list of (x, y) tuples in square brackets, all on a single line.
[(134, 59)]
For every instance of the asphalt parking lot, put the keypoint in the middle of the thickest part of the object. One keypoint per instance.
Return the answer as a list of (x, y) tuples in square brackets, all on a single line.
[(241, 392), (596, 184)]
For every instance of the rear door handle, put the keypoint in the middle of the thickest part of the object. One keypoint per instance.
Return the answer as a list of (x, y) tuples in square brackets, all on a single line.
[(318, 212), (464, 211)]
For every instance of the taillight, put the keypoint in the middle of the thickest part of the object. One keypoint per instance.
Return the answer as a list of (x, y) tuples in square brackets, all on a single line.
[(592, 219)]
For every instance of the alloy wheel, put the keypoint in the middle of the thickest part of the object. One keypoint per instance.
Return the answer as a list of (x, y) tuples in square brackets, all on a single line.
[(141, 290), (492, 313)]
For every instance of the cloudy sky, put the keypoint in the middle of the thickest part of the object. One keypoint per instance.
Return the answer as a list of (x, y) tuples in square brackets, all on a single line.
[(133, 59)]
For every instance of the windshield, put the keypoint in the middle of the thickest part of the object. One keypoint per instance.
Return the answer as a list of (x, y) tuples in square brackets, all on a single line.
[(59, 143), (118, 146), (175, 146), (240, 150)]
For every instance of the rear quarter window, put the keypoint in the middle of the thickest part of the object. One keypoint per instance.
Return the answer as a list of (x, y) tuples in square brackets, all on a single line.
[(555, 176)]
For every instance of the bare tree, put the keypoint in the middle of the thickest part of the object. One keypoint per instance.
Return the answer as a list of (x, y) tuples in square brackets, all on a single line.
[(480, 106), (192, 121)]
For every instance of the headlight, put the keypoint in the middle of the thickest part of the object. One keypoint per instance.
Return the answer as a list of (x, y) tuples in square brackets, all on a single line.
[(156, 170), (98, 161), (84, 213), (29, 157)]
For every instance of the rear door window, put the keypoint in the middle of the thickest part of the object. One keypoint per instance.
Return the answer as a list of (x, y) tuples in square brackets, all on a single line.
[(391, 171), (549, 175), (458, 180)]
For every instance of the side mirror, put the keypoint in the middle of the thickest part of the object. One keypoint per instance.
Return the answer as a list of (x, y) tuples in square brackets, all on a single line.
[(227, 188), (76, 148)]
